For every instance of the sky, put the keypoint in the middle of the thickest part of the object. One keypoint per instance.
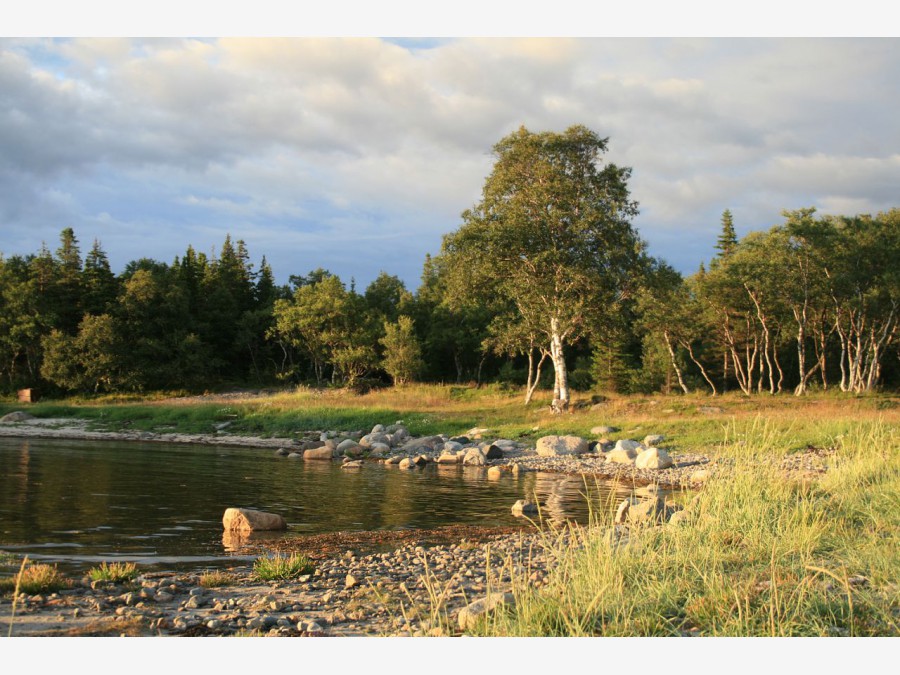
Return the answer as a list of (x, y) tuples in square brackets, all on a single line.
[(358, 154)]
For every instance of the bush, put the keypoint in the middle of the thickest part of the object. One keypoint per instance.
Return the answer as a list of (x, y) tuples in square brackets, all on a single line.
[(113, 572), (35, 579), (281, 567)]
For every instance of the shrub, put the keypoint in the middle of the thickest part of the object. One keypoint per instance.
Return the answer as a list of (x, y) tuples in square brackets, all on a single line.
[(282, 567), (35, 579), (113, 572)]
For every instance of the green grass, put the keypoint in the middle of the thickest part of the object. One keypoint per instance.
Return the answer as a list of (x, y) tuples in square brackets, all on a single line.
[(279, 567), (116, 572), (765, 555), (35, 578)]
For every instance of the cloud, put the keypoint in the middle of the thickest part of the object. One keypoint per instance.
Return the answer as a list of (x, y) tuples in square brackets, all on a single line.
[(362, 152)]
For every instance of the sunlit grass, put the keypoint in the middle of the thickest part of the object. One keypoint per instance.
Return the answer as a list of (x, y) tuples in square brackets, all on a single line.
[(35, 578), (115, 572), (280, 567), (216, 579), (763, 555)]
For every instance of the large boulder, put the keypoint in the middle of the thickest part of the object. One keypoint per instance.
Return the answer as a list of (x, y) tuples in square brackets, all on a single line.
[(554, 446), (621, 456), (452, 446), (450, 458), (493, 452), (350, 448), (250, 520), (323, 453), (653, 458), (377, 437)]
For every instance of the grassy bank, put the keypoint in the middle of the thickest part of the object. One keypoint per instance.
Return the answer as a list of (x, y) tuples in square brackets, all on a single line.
[(691, 422), (763, 555)]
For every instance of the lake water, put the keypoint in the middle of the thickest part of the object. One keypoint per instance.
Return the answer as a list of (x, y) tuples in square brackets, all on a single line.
[(78, 503)]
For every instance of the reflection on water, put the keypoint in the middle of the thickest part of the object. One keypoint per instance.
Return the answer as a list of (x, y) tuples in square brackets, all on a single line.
[(78, 503)]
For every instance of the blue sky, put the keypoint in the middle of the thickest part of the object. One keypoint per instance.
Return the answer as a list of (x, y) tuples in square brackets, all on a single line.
[(358, 154)]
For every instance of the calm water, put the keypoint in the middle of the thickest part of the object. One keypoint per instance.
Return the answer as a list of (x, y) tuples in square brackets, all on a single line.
[(79, 503)]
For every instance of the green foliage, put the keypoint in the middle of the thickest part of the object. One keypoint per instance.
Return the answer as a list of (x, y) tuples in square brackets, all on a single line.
[(402, 353), (116, 572), (35, 578), (279, 567)]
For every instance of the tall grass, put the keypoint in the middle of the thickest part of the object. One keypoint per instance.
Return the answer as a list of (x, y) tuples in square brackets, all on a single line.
[(764, 555)]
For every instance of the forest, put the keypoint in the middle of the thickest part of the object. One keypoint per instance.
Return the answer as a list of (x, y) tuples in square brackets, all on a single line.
[(812, 303)]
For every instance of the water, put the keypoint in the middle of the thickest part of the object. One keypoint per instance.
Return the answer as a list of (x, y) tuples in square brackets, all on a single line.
[(78, 503)]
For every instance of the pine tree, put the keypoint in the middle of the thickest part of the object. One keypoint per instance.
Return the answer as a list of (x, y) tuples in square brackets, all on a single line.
[(727, 239)]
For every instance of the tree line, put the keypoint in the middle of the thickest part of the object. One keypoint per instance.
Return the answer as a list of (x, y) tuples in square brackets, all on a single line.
[(546, 267)]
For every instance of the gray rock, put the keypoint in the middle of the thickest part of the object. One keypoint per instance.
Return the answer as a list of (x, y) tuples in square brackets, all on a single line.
[(493, 452), (349, 447), (555, 446), (647, 512), (452, 446), (367, 440), (621, 456), (603, 431), (378, 429), (653, 458), (470, 614), (282, 452), (295, 455), (628, 444), (652, 440)]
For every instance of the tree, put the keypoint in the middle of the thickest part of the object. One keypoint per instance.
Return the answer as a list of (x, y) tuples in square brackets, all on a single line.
[(402, 353), (728, 238), (552, 235)]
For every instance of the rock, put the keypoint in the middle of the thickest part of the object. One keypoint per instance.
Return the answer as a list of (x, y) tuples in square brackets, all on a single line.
[(653, 458), (396, 459), (621, 456), (477, 432), (494, 473), (282, 452), (16, 416), (603, 431), (349, 448), (652, 440), (398, 434), (321, 453), (470, 614), (311, 445), (462, 440), (449, 458), (248, 520), (352, 464), (452, 446), (350, 581), (622, 510), (647, 512), (627, 444), (555, 446), (680, 517), (524, 507), (295, 455), (379, 449), (409, 463), (700, 476), (474, 457), (493, 452), (378, 429), (367, 440)]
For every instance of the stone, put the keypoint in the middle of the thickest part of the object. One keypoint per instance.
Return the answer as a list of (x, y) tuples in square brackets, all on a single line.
[(653, 458), (311, 445), (452, 446), (379, 449), (603, 431), (349, 447), (494, 472), (396, 459), (350, 581), (477, 432), (378, 429), (524, 507), (408, 463), (647, 512), (627, 444), (449, 458), (16, 416), (652, 440), (321, 453), (282, 452), (295, 455), (621, 456), (462, 440), (352, 464), (622, 510), (700, 476), (249, 520), (493, 452), (367, 440), (555, 446), (470, 614), (680, 517), (474, 457)]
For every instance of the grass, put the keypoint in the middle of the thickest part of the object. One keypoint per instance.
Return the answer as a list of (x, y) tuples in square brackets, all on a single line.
[(216, 579), (764, 555), (116, 572), (34, 578), (280, 567)]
